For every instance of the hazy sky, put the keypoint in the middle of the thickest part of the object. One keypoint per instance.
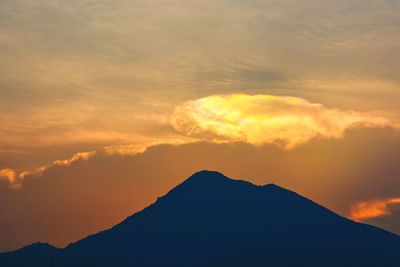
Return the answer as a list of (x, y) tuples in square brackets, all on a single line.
[(301, 93)]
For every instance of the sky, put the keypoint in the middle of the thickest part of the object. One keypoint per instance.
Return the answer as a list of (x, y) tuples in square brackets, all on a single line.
[(107, 104)]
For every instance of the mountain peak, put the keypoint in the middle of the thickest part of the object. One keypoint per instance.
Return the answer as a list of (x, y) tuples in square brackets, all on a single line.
[(213, 179), (207, 176), (207, 181), (38, 246)]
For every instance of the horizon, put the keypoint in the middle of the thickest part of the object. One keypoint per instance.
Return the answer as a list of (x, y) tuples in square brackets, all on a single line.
[(105, 105)]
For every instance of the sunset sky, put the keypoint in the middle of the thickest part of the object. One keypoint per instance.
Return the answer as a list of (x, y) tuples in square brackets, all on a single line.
[(107, 104)]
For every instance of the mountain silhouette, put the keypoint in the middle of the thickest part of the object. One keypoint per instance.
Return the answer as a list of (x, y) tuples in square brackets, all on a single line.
[(212, 220)]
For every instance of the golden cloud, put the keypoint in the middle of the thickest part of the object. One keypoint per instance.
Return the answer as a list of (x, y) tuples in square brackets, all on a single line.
[(66, 162), (372, 209), (15, 180), (255, 119), (265, 119), (138, 148), (78, 156), (9, 175)]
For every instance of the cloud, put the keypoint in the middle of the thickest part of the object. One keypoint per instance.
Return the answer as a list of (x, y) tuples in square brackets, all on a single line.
[(16, 181), (265, 119), (80, 156), (343, 54), (74, 158), (372, 209), (255, 119), (9, 175), (133, 149)]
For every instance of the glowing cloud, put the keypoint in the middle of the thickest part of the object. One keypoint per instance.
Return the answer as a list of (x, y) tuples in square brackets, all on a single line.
[(15, 180), (133, 149), (9, 175), (76, 157), (372, 209), (66, 162), (261, 119), (255, 119)]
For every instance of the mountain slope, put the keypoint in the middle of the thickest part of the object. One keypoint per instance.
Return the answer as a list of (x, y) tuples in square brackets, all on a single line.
[(38, 254), (211, 220)]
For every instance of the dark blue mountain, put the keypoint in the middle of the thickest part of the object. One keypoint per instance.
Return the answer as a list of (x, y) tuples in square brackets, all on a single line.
[(211, 220), (38, 254)]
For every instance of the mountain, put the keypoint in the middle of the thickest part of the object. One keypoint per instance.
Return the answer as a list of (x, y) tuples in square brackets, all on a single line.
[(41, 253), (211, 220)]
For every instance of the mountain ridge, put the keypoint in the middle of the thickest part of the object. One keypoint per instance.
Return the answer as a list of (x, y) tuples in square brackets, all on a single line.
[(212, 220)]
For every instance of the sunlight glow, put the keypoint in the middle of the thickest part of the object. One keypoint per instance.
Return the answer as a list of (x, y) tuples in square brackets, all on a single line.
[(372, 209), (263, 119)]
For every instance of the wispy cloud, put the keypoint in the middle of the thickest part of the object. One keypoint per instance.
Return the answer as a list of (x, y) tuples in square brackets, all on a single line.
[(16, 179), (264, 119), (74, 158), (132, 149), (80, 156), (372, 209)]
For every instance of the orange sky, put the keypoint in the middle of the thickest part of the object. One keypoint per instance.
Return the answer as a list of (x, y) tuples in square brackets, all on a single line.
[(105, 105)]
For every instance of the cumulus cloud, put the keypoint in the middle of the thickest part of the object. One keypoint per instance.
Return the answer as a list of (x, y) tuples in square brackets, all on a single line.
[(76, 157), (265, 119), (372, 209)]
